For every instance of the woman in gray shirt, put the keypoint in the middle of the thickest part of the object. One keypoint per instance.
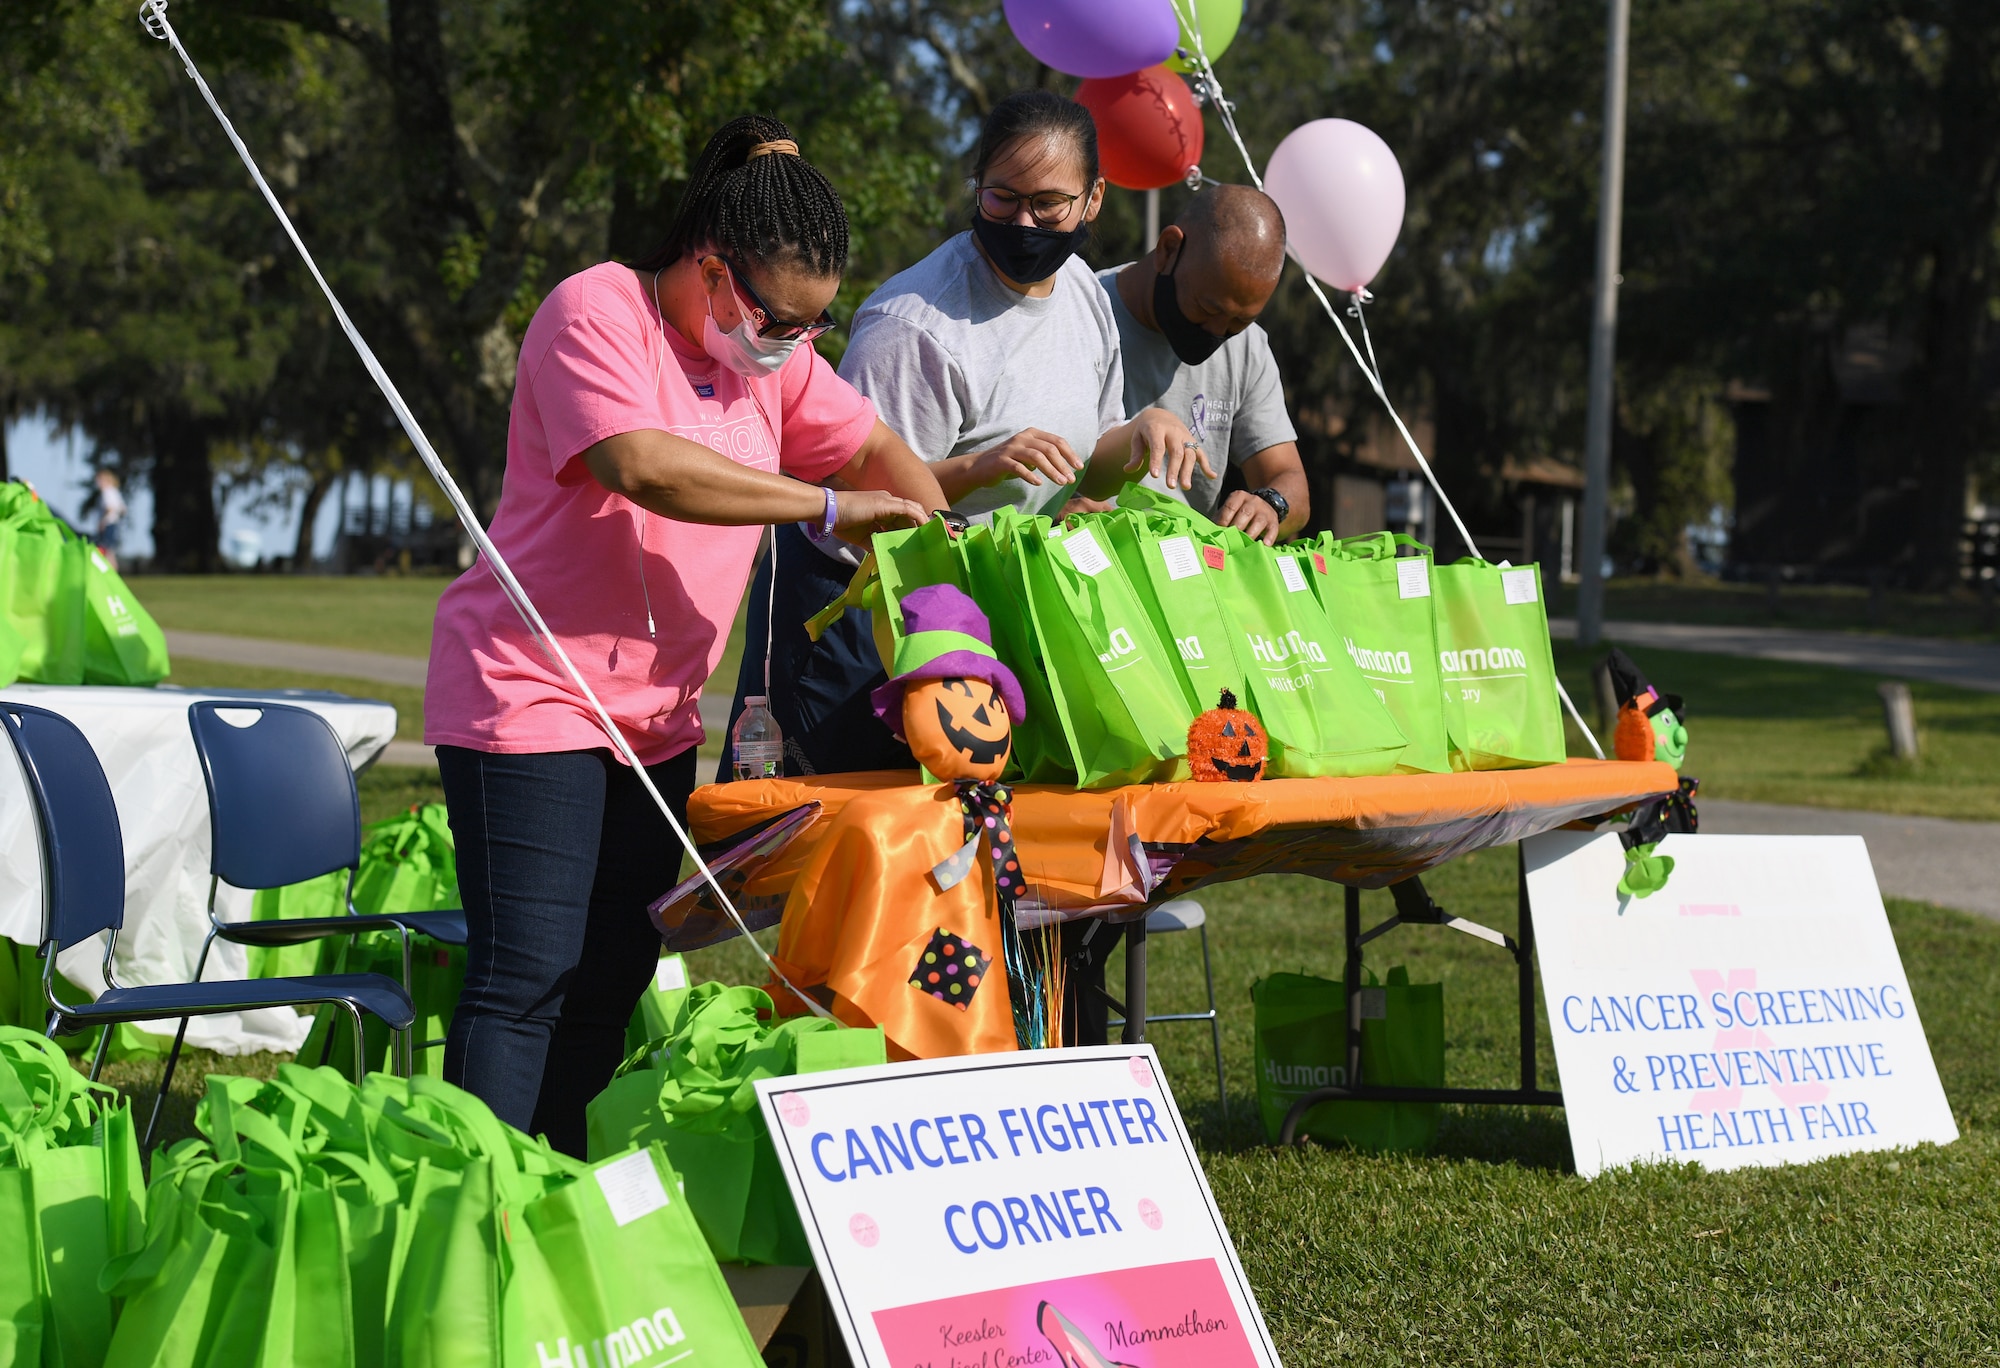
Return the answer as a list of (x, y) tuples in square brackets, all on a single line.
[(996, 359)]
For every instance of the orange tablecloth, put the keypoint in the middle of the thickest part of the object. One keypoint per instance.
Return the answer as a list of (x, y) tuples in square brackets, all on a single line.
[(1114, 852)]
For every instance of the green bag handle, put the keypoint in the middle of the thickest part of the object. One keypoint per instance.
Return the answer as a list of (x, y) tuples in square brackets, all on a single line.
[(864, 590), (1138, 498)]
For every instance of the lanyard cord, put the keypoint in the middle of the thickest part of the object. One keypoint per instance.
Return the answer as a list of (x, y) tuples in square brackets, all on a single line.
[(154, 15), (1190, 19)]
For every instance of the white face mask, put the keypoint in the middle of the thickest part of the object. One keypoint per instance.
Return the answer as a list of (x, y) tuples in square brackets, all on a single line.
[(741, 350)]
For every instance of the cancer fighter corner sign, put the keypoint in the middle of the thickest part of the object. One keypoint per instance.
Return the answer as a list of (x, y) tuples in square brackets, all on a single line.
[(1040, 1210), (1754, 1011)]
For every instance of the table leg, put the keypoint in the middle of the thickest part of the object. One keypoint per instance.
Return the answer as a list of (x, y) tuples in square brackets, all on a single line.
[(1352, 978), (1524, 937), (1135, 982)]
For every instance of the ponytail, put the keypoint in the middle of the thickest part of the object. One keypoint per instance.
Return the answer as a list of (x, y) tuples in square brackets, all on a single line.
[(752, 196)]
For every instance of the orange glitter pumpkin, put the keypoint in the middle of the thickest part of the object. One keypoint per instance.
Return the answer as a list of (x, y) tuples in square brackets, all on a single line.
[(1226, 744), (958, 728), (1634, 738)]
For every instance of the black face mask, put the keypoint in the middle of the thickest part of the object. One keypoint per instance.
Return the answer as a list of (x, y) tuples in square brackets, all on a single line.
[(1192, 343), (1023, 254)]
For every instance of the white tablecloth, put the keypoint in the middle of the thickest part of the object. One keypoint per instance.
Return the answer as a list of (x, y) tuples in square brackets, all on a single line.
[(142, 739)]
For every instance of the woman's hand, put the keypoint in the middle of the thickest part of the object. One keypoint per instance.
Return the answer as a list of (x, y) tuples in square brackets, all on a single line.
[(859, 514), (1163, 446), (1031, 455)]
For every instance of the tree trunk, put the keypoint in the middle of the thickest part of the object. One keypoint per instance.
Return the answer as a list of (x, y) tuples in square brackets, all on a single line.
[(186, 535), (302, 545)]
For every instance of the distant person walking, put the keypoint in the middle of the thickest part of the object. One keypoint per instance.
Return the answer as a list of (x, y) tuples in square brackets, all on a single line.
[(110, 517)]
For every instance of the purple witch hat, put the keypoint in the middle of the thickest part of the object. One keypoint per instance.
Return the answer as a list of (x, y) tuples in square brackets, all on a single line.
[(945, 636)]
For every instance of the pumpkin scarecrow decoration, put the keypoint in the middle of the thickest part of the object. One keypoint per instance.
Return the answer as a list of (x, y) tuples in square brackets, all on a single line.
[(1650, 723), (904, 915), (1227, 745), (953, 703)]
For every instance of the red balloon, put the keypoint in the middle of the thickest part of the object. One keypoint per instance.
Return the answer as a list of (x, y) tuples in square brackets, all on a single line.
[(1148, 130)]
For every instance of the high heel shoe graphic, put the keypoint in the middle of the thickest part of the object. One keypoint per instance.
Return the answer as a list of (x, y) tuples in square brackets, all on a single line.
[(1072, 1346)]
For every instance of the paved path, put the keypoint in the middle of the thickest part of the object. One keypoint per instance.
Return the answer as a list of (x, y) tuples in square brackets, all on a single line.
[(1928, 858), (1967, 664), (374, 667)]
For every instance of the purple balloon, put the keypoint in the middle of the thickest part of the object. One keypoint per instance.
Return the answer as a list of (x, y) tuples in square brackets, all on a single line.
[(1096, 37), (1342, 196)]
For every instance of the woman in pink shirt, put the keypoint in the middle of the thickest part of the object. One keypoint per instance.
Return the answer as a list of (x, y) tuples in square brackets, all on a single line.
[(663, 414)]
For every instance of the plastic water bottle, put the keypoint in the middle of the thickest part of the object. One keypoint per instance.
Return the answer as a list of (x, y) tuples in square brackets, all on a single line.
[(756, 746)]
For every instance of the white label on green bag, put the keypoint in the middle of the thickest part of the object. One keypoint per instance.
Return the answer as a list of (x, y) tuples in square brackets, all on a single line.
[(1179, 554), (632, 1187), (1288, 571), (1518, 585), (1413, 578), (1085, 553), (672, 974)]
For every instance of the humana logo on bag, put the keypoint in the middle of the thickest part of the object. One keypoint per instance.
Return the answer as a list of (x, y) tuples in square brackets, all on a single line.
[(1286, 647), (1472, 659), (1304, 1076), (628, 1346), (1379, 662)]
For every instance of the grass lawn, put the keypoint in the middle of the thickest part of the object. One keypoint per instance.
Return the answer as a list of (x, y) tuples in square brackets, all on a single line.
[(1827, 608), (1491, 1250), (1770, 731), (391, 614)]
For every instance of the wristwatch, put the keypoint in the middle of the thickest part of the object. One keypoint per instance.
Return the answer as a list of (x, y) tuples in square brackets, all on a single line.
[(1275, 499)]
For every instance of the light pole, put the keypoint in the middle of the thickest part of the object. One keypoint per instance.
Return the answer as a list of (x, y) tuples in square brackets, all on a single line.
[(1603, 330)]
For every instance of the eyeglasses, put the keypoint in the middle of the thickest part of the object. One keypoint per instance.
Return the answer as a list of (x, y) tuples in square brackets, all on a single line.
[(1049, 207), (765, 319)]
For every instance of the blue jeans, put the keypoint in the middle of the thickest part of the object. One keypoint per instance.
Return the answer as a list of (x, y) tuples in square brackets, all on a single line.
[(819, 689), (558, 855)]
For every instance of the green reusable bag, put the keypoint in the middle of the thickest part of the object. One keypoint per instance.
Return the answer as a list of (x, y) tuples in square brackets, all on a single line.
[(71, 1198), (693, 1092), (610, 1268), (121, 642), (997, 584), (42, 588), (1380, 604), (408, 864), (662, 1006), (1494, 654), (1301, 1045), (1117, 690), (1175, 580), (1319, 712), (21, 1301)]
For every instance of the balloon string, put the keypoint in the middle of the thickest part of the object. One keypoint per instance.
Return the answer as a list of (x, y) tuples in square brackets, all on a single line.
[(154, 16), (1184, 10)]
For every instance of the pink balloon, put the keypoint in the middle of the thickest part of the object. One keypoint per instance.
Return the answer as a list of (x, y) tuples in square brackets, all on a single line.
[(1342, 195), (1095, 37)]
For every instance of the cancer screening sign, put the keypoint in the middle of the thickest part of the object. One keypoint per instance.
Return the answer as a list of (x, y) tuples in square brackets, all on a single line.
[(1754, 1011), (1034, 1210)]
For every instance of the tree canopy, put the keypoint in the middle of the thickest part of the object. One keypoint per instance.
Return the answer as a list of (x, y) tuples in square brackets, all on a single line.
[(1797, 169)]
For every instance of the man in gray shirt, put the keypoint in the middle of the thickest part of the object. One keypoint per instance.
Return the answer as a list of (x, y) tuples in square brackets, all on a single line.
[(1189, 343)]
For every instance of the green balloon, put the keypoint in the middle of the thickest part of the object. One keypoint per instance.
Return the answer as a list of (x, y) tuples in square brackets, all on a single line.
[(1219, 20)]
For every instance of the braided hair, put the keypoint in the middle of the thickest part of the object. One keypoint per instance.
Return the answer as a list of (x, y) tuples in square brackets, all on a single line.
[(771, 207)]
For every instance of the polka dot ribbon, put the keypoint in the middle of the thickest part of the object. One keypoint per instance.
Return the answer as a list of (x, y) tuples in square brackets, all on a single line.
[(989, 812)]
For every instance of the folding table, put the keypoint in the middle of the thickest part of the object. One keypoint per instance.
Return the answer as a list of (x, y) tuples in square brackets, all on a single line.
[(1116, 853)]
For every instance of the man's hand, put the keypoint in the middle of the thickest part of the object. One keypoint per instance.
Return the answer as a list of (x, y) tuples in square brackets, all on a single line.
[(1031, 455), (1163, 446), (860, 513), (1245, 510)]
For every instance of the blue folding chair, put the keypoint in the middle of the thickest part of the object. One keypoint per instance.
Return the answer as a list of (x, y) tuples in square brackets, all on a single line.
[(83, 893), (282, 808)]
